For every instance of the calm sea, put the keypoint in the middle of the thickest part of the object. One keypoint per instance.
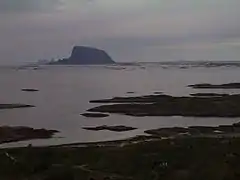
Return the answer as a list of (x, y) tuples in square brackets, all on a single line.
[(65, 92)]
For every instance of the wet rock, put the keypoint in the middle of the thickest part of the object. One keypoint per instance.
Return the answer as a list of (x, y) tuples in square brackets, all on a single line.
[(110, 128), (167, 132), (164, 105), (95, 115), (207, 131), (14, 106), (30, 90), (157, 92), (13, 134), (208, 95), (138, 99), (201, 129), (217, 86), (236, 124), (130, 92)]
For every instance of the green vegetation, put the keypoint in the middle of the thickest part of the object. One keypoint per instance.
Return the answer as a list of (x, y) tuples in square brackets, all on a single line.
[(171, 159)]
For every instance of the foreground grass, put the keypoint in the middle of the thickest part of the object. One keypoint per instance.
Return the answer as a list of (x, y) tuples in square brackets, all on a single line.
[(182, 158)]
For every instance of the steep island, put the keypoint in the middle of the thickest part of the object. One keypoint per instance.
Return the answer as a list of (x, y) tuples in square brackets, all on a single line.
[(82, 55)]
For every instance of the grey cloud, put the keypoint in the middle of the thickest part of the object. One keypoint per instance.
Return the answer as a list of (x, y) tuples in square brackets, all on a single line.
[(134, 30), (16, 6)]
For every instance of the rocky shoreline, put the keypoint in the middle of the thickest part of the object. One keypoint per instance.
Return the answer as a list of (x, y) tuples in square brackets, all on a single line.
[(197, 131), (208, 95)]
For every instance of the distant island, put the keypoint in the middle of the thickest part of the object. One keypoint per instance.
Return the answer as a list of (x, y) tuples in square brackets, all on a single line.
[(82, 55)]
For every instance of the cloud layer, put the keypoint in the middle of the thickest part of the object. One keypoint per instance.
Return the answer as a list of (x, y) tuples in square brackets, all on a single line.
[(137, 30)]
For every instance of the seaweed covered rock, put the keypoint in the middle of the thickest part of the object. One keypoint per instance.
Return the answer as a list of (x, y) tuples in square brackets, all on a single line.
[(215, 86), (164, 105), (13, 134), (15, 106), (110, 128), (95, 115)]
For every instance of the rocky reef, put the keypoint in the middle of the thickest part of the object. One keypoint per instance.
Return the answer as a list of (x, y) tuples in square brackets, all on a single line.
[(14, 106), (165, 105), (208, 94), (110, 128), (95, 115), (29, 90), (13, 134), (197, 131), (215, 86)]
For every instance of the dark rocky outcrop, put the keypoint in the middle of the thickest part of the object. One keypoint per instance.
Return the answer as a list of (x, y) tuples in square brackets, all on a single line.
[(29, 90), (222, 130), (157, 92), (137, 99), (13, 134), (167, 132), (82, 55), (130, 92), (110, 128), (95, 115), (208, 95), (14, 106), (216, 86), (164, 105)]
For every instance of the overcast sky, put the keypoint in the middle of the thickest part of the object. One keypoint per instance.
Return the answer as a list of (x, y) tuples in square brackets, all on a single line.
[(129, 30)]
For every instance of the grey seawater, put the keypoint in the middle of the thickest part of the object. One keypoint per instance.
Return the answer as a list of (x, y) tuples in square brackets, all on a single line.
[(65, 92)]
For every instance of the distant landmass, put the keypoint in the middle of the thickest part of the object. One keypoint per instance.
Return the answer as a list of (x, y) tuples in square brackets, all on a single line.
[(82, 55)]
